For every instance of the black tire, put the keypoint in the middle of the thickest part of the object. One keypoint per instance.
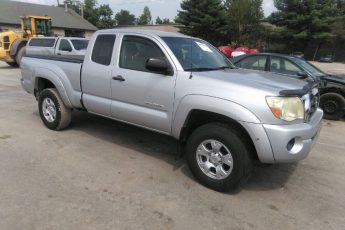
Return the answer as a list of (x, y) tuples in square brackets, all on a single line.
[(21, 52), (13, 64), (63, 114), (238, 146), (333, 105)]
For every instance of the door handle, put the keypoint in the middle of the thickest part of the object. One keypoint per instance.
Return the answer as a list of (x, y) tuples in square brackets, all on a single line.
[(119, 78), (58, 53)]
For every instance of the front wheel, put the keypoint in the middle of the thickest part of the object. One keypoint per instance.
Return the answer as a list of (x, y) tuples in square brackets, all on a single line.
[(54, 114), (219, 157), (333, 105)]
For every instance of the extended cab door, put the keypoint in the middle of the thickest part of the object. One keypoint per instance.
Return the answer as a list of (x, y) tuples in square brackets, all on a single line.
[(96, 75), (141, 96)]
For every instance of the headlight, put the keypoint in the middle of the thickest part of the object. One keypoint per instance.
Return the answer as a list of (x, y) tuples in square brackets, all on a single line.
[(286, 108)]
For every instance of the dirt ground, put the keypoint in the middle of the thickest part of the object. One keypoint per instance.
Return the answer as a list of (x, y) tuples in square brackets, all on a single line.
[(331, 68), (101, 174)]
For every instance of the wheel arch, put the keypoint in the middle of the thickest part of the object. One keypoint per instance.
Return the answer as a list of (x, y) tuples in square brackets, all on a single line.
[(49, 80), (196, 110), (17, 45)]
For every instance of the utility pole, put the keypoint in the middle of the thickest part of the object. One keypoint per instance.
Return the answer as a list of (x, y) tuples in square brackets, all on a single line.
[(58, 3)]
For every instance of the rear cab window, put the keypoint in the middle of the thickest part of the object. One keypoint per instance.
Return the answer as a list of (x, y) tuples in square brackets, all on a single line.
[(102, 51), (42, 42)]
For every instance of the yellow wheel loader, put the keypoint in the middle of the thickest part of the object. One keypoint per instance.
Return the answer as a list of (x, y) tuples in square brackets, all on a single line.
[(12, 43)]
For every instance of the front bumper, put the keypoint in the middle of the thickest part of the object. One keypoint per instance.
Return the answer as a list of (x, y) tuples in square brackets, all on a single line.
[(291, 143)]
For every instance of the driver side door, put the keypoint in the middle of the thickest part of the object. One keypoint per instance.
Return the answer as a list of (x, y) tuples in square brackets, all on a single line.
[(140, 96)]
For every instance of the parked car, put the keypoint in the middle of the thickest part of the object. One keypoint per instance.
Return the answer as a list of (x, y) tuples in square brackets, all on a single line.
[(332, 88), (327, 58), (57, 46), (222, 117)]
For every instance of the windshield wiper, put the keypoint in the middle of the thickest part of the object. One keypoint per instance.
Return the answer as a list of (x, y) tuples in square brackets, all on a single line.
[(208, 69)]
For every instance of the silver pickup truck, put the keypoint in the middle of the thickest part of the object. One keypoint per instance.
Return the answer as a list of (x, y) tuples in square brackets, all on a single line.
[(223, 118), (56, 46)]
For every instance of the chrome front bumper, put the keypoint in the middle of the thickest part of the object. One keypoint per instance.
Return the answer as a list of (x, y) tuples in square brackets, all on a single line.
[(291, 143)]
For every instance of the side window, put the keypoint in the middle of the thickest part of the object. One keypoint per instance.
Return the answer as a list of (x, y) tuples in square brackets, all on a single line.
[(135, 51), (64, 45), (254, 62), (103, 49), (283, 66)]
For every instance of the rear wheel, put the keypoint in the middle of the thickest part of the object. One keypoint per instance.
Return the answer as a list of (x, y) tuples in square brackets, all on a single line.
[(219, 157), (20, 55), (54, 114), (13, 64), (333, 105)]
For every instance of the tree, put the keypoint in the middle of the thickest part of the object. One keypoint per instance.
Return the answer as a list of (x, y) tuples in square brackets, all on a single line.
[(307, 22), (105, 14), (90, 11), (145, 18), (159, 20), (166, 21), (124, 17), (244, 18), (204, 19)]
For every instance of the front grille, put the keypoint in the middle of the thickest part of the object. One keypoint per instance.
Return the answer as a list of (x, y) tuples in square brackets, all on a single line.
[(314, 97), (6, 42)]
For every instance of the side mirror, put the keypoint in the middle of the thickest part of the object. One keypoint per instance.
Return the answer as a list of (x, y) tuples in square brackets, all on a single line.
[(157, 65), (302, 75)]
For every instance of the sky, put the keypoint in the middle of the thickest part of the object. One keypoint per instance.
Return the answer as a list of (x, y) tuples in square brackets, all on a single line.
[(161, 8)]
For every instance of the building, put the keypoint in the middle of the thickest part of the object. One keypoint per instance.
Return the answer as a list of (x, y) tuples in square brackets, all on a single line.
[(65, 23)]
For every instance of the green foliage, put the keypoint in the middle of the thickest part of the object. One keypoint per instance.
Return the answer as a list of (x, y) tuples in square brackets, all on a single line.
[(145, 18), (90, 11), (244, 20), (164, 21), (203, 18), (159, 21), (124, 17), (308, 22), (105, 14)]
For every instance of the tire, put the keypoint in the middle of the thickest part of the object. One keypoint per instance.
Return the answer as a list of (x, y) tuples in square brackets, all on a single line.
[(333, 105), (49, 102), (20, 54), (13, 64), (233, 143)]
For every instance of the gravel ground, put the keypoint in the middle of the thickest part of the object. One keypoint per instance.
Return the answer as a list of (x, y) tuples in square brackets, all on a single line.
[(101, 174)]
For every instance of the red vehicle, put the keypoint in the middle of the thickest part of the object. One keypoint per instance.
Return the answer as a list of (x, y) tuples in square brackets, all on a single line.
[(231, 52), (226, 50)]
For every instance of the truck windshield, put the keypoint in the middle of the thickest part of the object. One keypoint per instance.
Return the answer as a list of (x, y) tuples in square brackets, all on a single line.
[(80, 44), (197, 55), (43, 27)]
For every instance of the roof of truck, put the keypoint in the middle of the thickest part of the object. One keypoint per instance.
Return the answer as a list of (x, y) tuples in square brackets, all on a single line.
[(143, 31)]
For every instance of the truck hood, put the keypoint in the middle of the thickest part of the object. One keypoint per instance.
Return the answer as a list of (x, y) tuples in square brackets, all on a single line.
[(257, 80)]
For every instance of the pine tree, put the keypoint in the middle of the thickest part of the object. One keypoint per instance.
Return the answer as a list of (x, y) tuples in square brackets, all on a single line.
[(306, 23), (204, 19), (145, 18)]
